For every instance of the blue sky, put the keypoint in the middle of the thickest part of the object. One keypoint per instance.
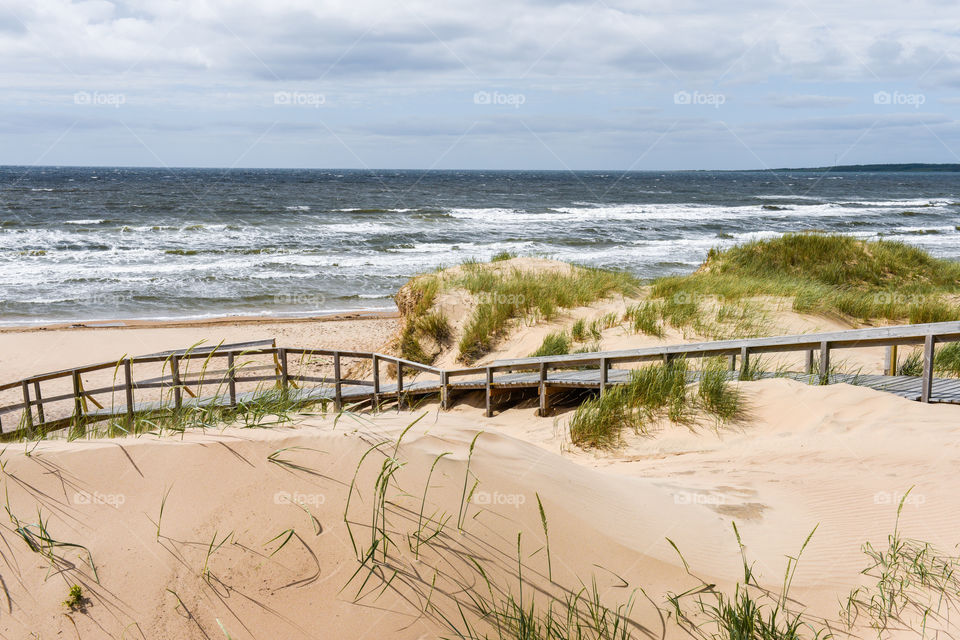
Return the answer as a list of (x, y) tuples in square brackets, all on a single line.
[(514, 84)]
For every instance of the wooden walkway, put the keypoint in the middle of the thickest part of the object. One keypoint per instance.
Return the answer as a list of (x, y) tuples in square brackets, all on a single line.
[(177, 387)]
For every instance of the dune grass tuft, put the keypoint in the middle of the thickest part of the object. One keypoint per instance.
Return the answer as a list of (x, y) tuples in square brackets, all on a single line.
[(644, 318), (915, 586), (555, 344), (652, 393), (751, 613)]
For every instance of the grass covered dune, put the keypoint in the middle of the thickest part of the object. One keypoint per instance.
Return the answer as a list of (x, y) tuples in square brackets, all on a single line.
[(864, 280)]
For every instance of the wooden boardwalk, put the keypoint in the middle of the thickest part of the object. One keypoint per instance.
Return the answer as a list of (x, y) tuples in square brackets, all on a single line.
[(266, 366)]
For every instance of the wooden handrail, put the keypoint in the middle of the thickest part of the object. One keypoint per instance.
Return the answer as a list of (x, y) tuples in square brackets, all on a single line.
[(927, 335)]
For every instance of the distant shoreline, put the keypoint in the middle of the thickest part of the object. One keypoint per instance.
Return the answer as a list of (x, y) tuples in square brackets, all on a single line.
[(847, 168), (146, 323)]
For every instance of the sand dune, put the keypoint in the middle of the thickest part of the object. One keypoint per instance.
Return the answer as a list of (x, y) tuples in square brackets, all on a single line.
[(838, 457)]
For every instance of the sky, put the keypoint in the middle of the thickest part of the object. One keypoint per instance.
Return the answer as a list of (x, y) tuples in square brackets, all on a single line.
[(480, 84)]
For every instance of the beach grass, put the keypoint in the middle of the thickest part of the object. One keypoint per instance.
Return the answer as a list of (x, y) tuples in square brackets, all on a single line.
[(653, 393), (822, 273), (504, 295), (913, 585), (752, 612), (555, 344)]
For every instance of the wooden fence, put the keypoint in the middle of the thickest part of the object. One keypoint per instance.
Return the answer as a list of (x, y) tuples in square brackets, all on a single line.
[(177, 381)]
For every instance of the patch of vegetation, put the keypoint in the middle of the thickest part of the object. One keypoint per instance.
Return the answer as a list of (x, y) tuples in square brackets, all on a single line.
[(420, 321), (654, 392), (506, 295), (501, 256), (915, 590), (912, 366), (456, 585), (751, 613), (555, 344), (823, 273), (75, 601), (645, 318), (947, 359)]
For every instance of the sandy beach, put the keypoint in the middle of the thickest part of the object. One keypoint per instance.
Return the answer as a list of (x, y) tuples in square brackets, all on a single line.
[(235, 532), (841, 465)]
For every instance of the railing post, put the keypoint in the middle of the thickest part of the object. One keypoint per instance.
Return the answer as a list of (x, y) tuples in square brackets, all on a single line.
[(77, 398), (128, 389), (27, 413), (231, 379), (375, 400), (544, 393), (444, 391), (824, 362), (604, 368), (809, 363), (36, 393), (892, 365), (733, 362), (284, 372), (399, 385), (744, 362), (489, 392), (927, 384), (175, 374), (337, 384)]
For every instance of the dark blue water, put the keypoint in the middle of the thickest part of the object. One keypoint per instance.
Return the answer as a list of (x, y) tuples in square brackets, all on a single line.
[(99, 243)]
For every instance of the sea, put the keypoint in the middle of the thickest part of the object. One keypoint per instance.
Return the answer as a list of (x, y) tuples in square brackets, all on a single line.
[(80, 244)]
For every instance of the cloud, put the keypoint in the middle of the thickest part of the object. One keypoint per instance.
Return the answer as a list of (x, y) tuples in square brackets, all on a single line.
[(810, 101), (598, 78)]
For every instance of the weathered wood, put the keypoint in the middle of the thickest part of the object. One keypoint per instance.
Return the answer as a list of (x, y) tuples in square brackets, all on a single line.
[(732, 362), (926, 386), (232, 379), (128, 389), (488, 388), (874, 336), (175, 374), (544, 391), (744, 362), (890, 361), (604, 370), (808, 368), (284, 371), (27, 413), (444, 391), (36, 393), (77, 396), (375, 398), (825, 362), (338, 383), (399, 384)]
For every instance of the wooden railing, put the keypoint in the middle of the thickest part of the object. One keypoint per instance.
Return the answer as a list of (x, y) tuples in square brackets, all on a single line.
[(177, 379)]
